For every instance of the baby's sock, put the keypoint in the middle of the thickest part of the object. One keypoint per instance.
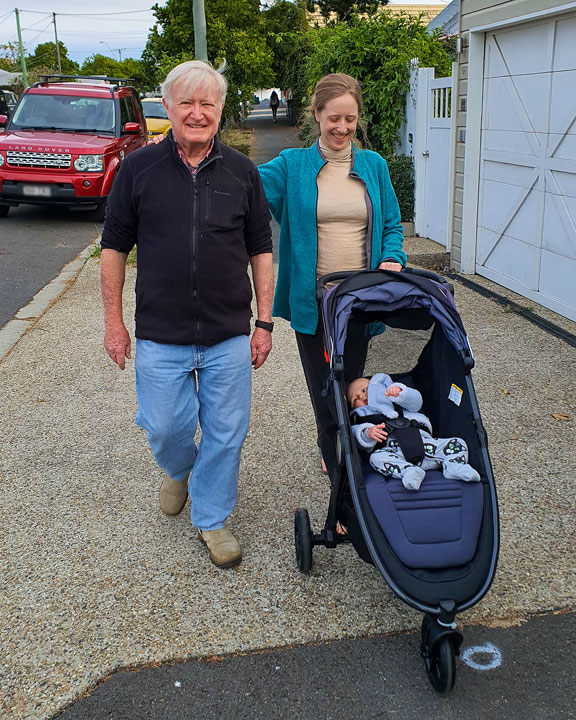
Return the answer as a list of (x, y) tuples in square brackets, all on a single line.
[(412, 478), (460, 471)]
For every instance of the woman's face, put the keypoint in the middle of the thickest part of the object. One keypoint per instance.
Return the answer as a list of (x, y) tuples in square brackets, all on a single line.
[(338, 120)]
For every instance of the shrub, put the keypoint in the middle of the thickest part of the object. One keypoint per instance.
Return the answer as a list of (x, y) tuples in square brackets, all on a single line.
[(402, 175)]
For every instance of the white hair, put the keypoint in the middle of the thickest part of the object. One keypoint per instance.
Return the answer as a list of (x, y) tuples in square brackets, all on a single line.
[(192, 76)]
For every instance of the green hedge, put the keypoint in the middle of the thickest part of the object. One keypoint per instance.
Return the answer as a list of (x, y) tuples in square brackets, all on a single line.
[(402, 175)]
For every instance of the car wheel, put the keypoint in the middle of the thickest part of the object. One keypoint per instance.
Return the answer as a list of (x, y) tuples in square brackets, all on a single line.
[(100, 212)]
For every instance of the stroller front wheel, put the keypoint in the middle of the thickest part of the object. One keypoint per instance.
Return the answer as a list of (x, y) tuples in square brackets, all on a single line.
[(303, 540), (439, 648), (441, 667)]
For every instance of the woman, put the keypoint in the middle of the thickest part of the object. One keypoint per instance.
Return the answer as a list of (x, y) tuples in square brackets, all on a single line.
[(337, 211)]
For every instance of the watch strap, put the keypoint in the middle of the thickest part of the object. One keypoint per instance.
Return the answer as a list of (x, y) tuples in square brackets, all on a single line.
[(264, 325)]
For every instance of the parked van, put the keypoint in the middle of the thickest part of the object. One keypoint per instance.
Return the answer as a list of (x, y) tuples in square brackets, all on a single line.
[(7, 102)]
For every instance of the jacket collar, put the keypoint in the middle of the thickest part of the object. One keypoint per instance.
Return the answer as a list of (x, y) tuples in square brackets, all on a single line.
[(215, 154), (318, 160)]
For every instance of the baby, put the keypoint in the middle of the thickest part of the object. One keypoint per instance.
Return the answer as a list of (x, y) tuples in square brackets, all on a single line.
[(378, 396)]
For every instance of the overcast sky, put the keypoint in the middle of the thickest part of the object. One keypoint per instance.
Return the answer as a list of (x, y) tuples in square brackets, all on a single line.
[(107, 30)]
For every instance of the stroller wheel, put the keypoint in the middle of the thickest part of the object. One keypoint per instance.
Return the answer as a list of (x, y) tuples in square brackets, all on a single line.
[(440, 661), (303, 540)]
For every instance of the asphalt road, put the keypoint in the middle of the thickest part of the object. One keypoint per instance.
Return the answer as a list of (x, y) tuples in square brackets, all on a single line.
[(517, 673), (35, 244)]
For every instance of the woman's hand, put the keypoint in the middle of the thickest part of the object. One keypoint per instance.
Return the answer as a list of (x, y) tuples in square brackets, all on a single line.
[(387, 265)]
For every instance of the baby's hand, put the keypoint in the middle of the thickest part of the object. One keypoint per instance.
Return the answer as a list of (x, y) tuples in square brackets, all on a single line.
[(377, 432), (393, 391)]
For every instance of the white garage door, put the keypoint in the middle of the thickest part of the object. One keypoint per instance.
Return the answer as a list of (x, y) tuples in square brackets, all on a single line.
[(527, 205)]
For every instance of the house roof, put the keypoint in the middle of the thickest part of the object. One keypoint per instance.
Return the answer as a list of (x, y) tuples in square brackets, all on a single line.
[(428, 12), (447, 20), (7, 78)]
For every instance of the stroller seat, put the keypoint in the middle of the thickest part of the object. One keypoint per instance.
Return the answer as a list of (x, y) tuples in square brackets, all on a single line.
[(434, 527)]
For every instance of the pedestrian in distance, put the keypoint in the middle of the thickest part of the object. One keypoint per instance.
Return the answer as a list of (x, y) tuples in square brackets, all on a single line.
[(196, 211), (337, 211), (274, 102)]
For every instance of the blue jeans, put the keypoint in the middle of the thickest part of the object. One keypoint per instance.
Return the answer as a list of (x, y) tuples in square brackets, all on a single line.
[(181, 386)]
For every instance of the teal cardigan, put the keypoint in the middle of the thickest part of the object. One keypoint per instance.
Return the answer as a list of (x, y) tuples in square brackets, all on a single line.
[(290, 185)]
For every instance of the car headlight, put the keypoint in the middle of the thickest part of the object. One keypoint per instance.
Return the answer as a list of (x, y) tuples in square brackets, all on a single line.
[(1, 159), (89, 163)]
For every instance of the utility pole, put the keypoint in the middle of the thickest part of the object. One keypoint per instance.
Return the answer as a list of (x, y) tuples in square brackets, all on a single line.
[(199, 15), (21, 48), (57, 45)]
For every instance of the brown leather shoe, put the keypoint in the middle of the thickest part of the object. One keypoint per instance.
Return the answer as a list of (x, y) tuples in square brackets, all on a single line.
[(223, 548), (173, 495)]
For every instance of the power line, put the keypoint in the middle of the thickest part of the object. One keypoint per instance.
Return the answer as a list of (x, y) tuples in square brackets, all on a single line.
[(125, 12)]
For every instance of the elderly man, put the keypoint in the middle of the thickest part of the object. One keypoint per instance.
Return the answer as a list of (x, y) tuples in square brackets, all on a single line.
[(196, 211)]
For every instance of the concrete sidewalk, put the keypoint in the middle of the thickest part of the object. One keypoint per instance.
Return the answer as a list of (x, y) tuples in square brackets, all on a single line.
[(94, 578)]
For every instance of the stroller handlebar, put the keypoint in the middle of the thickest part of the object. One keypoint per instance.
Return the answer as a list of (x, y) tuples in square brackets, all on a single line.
[(324, 280)]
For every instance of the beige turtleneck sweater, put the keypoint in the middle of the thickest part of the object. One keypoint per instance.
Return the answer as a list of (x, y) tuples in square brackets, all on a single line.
[(341, 215)]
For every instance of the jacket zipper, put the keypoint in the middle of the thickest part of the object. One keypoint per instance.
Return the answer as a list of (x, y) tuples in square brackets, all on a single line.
[(195, 308)]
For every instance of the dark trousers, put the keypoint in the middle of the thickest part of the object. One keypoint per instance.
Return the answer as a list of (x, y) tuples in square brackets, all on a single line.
[(311, 349)]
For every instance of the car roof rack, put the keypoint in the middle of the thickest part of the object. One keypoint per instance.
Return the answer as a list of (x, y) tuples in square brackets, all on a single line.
[(102, 78)]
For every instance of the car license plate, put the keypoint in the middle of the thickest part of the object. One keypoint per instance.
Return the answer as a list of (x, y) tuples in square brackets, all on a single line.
[(37, 190)]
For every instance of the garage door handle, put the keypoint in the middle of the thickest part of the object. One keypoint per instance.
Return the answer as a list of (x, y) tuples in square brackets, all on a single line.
[(426, 153)]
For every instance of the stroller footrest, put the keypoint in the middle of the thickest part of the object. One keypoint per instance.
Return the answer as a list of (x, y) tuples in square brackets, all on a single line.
[(434, 527)]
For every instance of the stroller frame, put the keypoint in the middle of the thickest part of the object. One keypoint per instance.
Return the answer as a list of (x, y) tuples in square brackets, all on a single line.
[(440, 639)]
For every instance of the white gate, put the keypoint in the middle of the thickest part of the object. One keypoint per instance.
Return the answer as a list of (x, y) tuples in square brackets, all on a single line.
[(433, 155)]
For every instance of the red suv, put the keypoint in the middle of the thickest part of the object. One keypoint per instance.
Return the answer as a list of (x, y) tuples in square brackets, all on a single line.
[(65, 141)]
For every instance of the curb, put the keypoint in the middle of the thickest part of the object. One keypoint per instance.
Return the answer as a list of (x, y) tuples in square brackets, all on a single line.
[(29, 315)]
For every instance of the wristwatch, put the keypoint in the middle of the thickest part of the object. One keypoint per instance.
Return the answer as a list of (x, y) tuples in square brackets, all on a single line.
[(264, 325)]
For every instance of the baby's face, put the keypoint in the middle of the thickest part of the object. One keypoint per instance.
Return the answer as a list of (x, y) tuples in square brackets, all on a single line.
[(357, 393)]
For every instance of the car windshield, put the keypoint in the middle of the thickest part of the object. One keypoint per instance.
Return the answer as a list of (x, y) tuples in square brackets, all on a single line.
[(69, 113), (155, 110)]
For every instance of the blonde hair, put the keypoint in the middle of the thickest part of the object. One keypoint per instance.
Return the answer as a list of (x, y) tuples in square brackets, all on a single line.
[(330, 87), (192, 76)]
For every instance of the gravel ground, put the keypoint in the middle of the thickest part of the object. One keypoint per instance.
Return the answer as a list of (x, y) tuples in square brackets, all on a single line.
[(94, 577)]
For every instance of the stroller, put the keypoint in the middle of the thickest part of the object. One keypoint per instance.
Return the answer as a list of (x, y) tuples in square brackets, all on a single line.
[(436, 547)]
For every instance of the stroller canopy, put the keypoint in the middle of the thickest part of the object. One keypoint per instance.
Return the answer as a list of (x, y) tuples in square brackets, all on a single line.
[(404, 300)]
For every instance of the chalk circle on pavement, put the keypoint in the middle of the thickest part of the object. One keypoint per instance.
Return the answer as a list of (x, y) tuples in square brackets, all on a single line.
[(482, 657)]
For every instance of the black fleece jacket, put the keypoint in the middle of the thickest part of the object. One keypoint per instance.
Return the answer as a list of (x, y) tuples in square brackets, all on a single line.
[(194, 237)]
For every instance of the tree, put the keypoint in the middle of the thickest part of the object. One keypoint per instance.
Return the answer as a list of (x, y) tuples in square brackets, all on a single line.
[(234, 32), (104, 65), (9, 57), (377, 51), (98, 64), (45, 57), (345, 9), (288, 35)]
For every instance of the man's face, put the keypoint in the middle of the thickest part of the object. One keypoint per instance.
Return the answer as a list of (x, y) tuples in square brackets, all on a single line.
[(195, 119), (358, 393)]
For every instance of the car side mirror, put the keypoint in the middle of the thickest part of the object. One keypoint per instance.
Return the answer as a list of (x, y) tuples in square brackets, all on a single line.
[(3, 120), (132, 128)]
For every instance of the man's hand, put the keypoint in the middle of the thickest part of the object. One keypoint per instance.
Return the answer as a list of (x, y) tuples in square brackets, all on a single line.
[(117, 344), (260, 345), (390, 266)]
